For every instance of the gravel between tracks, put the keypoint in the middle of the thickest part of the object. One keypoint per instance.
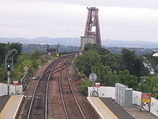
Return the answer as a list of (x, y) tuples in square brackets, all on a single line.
[(54, 98), (88, 110), (55, 106)]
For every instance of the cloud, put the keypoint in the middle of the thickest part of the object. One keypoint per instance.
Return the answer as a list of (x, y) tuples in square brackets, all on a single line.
[(149, 4), (48, 18), (35, 18), (129, 23)]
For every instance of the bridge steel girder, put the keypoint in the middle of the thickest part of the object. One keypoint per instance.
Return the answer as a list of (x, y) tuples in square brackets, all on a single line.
[(92, 25)]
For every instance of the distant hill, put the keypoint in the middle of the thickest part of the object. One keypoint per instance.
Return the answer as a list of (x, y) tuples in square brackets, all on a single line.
[(44, 40), (76, 42), (133, 44)]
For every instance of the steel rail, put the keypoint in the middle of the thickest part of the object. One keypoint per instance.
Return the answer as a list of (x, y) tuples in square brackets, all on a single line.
[(72, 90), (46, 92), (60, 86), (49, 69), (61, 93), (33, 96)]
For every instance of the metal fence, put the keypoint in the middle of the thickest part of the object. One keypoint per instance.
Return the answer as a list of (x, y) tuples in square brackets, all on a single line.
[(24, 80)]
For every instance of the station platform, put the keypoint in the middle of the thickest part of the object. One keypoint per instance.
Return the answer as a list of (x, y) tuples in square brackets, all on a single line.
[(3, 100), (103, 111), (11, 107), (107, 109)]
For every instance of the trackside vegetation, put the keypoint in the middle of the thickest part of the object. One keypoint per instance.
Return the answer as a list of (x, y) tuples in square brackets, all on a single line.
[(137, 72), (32, 60)]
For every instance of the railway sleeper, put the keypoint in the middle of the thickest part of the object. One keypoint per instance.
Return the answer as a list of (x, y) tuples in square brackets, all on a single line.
[(38, 112), (38, 106), (67, 91), (41, 93), (38, 97)]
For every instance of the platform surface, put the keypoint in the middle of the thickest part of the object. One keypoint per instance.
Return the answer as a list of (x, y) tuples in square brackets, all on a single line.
[(102, 110), (119, 111), (11, 107), (108, 109), (3, 101)]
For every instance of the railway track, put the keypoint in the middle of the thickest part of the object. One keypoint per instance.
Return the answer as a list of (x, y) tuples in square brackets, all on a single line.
[(71, 106), (38, 108)]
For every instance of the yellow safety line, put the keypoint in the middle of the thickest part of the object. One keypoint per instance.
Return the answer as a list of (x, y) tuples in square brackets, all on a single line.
[(21, 98), (100, 114), (5, 109), (107, 109)]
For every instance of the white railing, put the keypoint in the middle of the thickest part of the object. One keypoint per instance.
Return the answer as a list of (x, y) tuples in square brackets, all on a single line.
[(3, 89)]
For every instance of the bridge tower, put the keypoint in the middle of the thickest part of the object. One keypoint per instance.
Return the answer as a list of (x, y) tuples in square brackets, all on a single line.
[(92, 30)]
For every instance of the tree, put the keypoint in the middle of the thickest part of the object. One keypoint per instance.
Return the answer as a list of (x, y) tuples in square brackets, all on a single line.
[(149, 85), (94, 58), (111, 60), (151, 62), (36, 58), (125, 68), (106, 76), (17, 46), (127, 79), (83, 86), (132, 62), (88, 61), (2, 73), (95, 47), (2, 52), (36, 55)]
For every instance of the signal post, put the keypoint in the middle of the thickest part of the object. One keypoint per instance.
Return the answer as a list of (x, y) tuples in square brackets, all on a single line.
[(9, 58)]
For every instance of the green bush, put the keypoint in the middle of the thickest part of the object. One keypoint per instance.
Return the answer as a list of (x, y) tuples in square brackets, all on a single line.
[(83, 86)]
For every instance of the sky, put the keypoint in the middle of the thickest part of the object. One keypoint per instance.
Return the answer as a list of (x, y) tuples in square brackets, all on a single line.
[(127, 20)]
